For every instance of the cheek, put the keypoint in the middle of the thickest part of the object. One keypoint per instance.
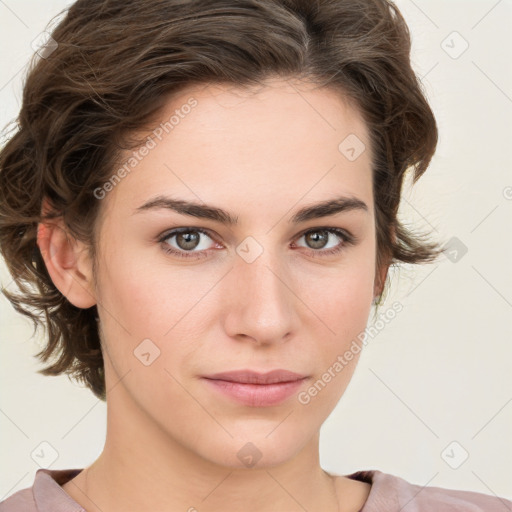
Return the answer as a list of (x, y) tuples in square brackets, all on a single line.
[(131, 312), (342, 297), (343, 305), (156, 316), (140, 296)]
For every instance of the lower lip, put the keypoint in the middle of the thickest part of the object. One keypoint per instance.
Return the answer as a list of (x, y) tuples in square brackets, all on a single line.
[(257, 395)]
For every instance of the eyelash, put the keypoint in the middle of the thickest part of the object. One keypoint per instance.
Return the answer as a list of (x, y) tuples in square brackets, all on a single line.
[(346, 238)]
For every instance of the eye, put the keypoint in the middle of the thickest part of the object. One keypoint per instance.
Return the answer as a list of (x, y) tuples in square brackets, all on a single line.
[(186, 239), (188, 242), (318, 239)]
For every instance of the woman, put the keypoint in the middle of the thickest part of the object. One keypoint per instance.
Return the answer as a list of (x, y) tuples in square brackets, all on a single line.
[(205, 194)]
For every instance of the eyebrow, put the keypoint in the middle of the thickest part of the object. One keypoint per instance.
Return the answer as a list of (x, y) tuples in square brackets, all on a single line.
[(204, 211)]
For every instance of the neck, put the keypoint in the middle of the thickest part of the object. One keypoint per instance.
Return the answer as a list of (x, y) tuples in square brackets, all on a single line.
[(228, 493), (142, 468)]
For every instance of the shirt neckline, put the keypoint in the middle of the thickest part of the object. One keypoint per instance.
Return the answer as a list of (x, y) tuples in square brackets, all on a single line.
[(51, 497)]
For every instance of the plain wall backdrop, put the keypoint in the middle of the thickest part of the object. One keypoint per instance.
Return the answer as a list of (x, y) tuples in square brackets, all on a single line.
[(431, 398)]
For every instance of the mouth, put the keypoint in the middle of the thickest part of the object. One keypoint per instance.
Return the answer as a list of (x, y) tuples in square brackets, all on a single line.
[(255, 389)]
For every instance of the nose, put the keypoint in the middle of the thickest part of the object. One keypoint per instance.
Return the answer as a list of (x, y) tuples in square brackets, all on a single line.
[(262, 304)]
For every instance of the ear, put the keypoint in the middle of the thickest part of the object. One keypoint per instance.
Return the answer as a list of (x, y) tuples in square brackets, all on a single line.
[(67, 262), (380, 280), (382, 272)]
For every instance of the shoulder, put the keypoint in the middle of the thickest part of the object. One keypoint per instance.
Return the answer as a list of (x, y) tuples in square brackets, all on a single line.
[(22, 501), (390, 492), (45, 494)]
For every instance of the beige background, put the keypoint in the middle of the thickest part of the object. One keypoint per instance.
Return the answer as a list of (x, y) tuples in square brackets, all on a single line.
[(439, 374)]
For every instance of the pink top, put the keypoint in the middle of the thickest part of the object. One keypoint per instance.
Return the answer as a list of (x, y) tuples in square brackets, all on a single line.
[(388, 493)]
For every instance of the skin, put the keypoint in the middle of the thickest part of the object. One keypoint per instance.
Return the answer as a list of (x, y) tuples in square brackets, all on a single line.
[(172, 442)]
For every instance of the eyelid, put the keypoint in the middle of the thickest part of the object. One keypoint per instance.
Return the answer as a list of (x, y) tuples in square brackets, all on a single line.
[(332, 229)]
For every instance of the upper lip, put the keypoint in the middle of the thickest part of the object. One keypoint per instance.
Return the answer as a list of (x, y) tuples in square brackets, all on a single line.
[(252, 377)]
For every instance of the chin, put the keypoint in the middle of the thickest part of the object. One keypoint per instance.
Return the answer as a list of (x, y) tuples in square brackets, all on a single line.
[(265, 448)]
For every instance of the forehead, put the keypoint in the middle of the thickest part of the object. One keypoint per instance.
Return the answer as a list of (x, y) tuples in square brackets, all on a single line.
[(296, 107), (224, 143)]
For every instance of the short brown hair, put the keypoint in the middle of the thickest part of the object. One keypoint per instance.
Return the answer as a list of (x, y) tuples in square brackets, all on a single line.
[(117, 60)]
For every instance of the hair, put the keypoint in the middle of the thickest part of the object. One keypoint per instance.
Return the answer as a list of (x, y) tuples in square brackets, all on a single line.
[(109, 68)]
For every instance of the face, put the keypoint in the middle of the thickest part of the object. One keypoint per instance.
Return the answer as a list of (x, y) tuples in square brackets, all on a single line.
[(186, 295)]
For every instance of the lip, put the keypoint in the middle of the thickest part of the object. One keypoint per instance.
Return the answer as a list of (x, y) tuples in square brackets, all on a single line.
[(256, 389), (252, 377)]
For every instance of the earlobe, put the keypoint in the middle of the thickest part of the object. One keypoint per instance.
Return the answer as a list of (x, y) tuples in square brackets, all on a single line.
[(67, 262)]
